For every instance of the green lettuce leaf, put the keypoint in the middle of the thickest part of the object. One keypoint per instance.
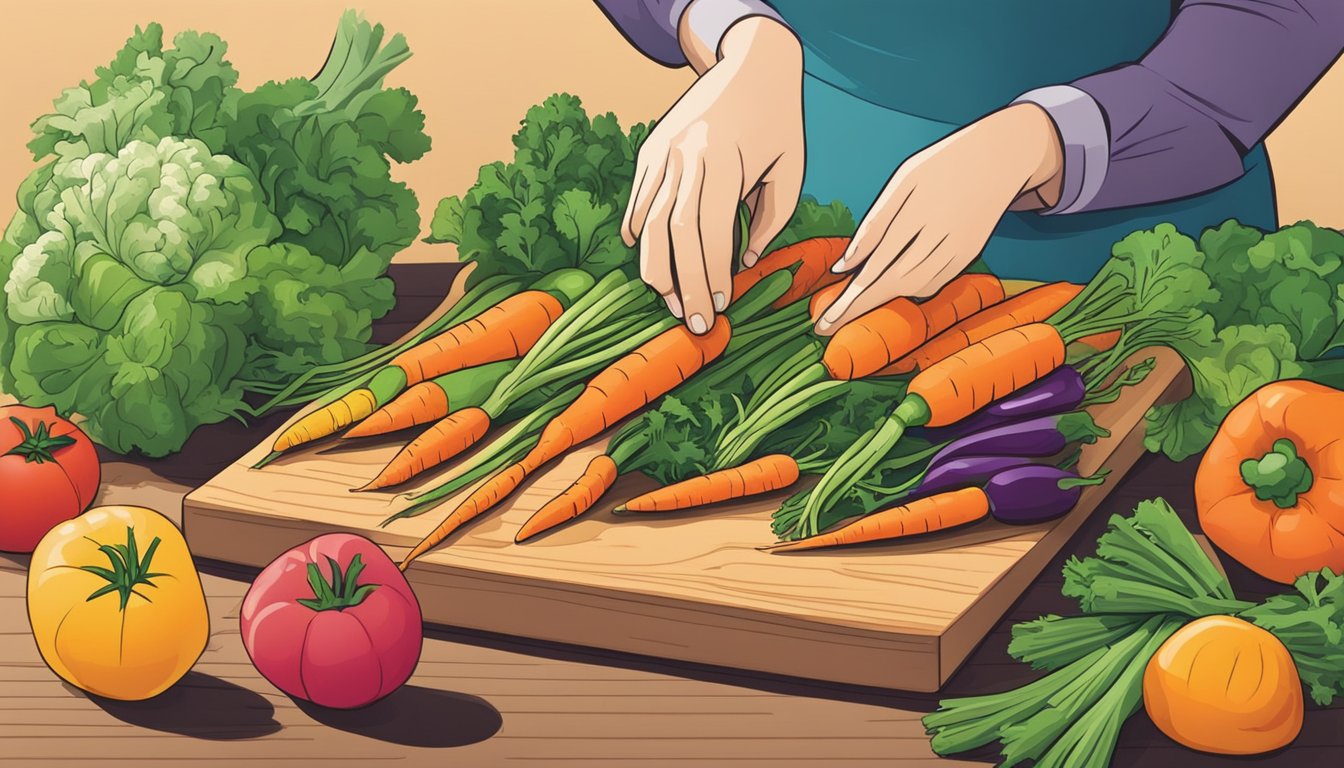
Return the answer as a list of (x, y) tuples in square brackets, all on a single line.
[(1240, 360)]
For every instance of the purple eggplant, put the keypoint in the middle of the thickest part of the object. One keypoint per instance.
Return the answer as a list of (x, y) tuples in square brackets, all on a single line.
[(1060, 391), (1040, 436), (966, 472), (1035, 493)]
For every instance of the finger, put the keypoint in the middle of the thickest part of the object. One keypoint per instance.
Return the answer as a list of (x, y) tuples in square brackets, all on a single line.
[(882, 279), (900, 235), (776, 200), (876, 227), (749, 258), (718, 219), (688, 252), (655, 247), (648, 180)]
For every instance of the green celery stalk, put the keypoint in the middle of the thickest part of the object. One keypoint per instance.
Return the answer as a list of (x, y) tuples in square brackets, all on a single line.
[(1029, 738), (1090, 741)]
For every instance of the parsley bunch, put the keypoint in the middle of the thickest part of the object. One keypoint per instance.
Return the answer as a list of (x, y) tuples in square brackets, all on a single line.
[(1276, 312)]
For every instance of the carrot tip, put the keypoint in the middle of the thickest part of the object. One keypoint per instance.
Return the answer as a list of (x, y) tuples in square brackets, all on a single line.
[(272, 456), (620, 510), (532, 528)]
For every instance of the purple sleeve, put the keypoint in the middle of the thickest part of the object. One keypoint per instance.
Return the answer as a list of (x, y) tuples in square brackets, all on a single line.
[(651, 25), (1178, 122)]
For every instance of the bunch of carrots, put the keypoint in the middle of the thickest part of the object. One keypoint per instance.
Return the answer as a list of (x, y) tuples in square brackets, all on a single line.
[(989, 392)]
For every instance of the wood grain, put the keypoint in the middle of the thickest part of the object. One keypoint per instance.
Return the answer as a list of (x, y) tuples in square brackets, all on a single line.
[(690, 587)]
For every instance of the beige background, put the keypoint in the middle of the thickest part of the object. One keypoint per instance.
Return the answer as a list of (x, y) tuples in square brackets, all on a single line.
[(477, 66)]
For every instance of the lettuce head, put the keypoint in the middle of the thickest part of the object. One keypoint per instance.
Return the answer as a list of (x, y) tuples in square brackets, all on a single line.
[(142, 290)]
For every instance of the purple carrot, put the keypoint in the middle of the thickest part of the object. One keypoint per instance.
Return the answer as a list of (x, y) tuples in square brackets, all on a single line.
[(966, 472), (1035, 493), (1040, 436)]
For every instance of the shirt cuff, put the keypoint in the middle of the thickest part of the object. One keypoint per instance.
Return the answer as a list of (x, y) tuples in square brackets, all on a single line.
[(1084, 137), (710, 20)]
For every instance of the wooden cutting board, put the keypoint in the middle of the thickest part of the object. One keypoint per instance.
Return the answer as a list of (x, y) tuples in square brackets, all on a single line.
[(690, 587)]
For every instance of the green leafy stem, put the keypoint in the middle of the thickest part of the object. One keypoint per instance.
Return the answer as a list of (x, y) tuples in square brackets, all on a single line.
[(38, 446), (343, 591), (129, 570)]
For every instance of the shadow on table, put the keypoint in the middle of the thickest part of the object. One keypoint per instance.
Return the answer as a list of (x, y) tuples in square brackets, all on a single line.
[(414, 716), (200, 706)]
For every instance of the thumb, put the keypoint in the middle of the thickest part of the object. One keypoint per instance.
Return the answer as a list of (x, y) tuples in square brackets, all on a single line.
[(774, 206)]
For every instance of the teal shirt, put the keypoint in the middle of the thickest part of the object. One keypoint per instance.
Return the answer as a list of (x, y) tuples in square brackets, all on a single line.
[(886, 79)]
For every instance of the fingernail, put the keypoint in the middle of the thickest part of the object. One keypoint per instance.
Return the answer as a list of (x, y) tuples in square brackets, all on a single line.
[(720, 301), (831, 315), (697, 324), (749, 258), (674, 305), (838, 266), (823, 325)]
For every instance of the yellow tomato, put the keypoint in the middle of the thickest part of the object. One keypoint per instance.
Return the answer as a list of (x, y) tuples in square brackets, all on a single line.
[(116, 604)]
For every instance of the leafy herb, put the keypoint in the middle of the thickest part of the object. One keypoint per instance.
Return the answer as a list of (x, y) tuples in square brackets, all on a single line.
[(1310, 623), (321, 150), (814, 219), (558, 203), (1276, 312)]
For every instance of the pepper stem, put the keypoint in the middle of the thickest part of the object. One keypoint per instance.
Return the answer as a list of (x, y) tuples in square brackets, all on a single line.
[(1279, 476)]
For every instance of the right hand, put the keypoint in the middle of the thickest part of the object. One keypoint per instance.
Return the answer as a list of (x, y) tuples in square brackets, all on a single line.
[(735, 136)]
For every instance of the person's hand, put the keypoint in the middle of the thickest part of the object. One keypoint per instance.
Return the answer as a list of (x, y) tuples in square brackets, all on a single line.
[(736, 135), (940, 207)]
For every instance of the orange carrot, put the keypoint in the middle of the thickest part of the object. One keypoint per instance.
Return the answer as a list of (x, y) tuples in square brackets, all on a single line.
[(578, 498), (448, 437), (824, 298), (768, 473), (891, 331), (926, 515), (622, 388), (967, 381), (815, 258), (505, 331), (1101, 342), (1033, 306), (420, 404)]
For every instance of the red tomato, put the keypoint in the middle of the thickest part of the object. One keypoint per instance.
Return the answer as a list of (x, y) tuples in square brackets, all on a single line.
[(333, 622), (48, 474)]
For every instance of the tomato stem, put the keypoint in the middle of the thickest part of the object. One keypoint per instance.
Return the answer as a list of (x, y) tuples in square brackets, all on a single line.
[(38, 446), (343, 591), (128, 570), (1279, 476)]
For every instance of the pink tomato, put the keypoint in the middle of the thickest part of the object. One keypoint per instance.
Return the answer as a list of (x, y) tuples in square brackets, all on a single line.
[(333, 622)]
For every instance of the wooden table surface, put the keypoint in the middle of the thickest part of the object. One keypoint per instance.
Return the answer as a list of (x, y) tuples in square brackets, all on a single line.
[(479, 700)]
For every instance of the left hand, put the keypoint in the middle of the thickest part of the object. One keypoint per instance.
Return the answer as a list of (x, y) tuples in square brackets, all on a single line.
[(940, 207)]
